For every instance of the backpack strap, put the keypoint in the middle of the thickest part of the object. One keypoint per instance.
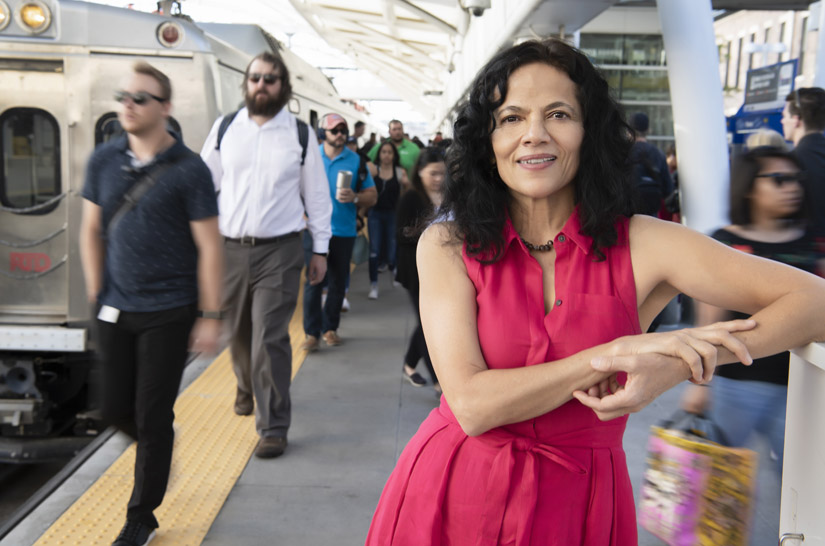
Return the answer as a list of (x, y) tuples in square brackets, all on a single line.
[(303, 138), (225, 122), (140, 188), (303, 133), (362, 173)]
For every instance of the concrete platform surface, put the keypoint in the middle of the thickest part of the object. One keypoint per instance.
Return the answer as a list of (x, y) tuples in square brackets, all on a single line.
[(352, 415)]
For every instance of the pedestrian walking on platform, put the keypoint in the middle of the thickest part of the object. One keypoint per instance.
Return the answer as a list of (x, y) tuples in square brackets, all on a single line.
[(269, 176), (350, 186), (536, 285), (417, 207), (768, 212), (151, 255), (803, 122), (390, 180), (407, 151)]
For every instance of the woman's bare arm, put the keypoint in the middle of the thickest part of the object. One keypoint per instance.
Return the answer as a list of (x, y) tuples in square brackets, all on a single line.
[(481, 398)]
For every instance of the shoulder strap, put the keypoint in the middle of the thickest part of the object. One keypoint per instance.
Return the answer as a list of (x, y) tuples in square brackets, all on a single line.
[(303, 138), (140, 188), (225, 122), (362, 173)]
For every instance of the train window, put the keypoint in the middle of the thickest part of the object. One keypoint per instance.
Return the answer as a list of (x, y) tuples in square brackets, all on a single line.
[(29, 158), (294, 106), (108, 127), (313, 119)]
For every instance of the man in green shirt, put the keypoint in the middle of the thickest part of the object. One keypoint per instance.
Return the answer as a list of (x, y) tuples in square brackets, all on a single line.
[(407, 150)]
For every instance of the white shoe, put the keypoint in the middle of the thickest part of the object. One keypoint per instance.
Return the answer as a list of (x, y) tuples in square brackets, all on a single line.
[(345, 306), (373, 295)]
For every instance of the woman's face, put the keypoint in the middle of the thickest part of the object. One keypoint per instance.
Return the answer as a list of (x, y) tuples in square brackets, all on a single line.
[(432, 176), (385, 156), (539, 132), (776, 192)]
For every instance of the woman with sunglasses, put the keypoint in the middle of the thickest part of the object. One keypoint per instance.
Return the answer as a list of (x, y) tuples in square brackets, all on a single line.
[(768, 212), (390, 179)]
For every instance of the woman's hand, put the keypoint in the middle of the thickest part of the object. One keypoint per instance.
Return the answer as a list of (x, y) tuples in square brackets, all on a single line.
[(648, 376), (696, 347), (656, 362)]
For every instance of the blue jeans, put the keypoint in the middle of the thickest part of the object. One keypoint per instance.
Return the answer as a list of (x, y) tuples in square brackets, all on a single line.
[(316, 319), (381, 225), (742, 407)]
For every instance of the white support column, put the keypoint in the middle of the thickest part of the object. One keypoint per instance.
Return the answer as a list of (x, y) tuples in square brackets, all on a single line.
[(698, 111), (819, 69)]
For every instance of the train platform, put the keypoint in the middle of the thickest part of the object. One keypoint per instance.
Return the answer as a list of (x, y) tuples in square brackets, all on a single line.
[(352, 415)]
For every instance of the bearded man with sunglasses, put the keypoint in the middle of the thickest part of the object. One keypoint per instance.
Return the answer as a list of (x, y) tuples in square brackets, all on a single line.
[(268, 182), (152, 260)]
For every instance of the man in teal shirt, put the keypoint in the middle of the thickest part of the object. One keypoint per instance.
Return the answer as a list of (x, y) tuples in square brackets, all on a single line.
[(407, 150), (323, 321)]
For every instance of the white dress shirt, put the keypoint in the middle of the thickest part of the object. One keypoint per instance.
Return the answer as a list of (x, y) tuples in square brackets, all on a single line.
[(264, 190)]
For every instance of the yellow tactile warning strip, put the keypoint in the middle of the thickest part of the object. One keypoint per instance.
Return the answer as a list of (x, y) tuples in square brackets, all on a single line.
[(212, 447)]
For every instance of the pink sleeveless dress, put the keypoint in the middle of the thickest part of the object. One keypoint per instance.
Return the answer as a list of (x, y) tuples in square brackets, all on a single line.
[(558, 479)]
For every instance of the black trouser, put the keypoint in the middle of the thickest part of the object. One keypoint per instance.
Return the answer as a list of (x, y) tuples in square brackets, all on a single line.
[(417, 348), (143, 356), (318, 320)]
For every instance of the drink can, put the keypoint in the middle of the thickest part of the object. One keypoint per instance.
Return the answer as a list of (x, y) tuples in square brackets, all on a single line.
[(344, 179)]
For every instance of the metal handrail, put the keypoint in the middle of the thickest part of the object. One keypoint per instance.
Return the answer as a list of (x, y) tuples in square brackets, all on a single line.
[(29, 244), (35, 208)]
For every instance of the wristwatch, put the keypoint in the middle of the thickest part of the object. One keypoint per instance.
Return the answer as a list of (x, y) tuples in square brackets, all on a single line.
[(355, 201), (216, 315), (324, 254)]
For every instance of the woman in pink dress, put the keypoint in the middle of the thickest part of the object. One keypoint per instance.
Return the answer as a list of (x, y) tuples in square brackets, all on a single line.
[(534, 297)]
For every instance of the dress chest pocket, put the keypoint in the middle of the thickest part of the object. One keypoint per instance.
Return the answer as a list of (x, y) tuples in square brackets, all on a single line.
[(592, 319)]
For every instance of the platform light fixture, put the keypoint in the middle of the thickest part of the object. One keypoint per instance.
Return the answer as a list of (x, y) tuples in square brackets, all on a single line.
[(5, 15), (34, 16)]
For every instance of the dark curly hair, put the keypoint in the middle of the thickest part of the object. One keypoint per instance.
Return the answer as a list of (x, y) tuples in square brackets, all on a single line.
[(475, 196)]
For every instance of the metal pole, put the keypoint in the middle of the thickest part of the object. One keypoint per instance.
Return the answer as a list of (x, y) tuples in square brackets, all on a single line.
[(819, 69), (698, 111)]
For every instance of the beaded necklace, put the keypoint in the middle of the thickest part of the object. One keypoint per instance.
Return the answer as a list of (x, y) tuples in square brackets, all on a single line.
[(538, 248)]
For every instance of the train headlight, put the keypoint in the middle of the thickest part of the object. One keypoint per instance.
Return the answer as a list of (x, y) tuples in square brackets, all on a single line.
[(34, 16), (170, 34), (5, 15)]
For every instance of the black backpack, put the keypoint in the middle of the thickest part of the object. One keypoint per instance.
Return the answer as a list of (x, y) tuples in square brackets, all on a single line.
[(303, 133)]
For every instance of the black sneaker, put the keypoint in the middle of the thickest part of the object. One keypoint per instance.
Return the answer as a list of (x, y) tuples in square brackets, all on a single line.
[(134, 533), (414, 379)]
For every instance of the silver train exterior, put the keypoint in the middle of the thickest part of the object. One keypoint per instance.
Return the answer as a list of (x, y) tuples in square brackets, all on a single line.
[(57, 82)]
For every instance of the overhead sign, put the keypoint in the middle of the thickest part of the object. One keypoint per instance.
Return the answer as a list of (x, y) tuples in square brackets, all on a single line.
[(767, 87)]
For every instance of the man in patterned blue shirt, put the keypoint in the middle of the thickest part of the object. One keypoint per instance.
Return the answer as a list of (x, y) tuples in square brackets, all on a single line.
[(149, 268)]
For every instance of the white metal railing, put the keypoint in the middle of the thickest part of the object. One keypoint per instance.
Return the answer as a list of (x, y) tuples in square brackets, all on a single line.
[(801, 520)]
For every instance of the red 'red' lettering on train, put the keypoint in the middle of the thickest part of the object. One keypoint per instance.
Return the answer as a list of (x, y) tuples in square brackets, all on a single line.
[(29, 261)]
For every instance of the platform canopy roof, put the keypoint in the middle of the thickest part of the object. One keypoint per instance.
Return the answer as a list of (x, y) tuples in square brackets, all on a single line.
[(412, 45)]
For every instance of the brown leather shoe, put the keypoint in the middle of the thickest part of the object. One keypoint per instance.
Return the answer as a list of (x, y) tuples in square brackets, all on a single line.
[(331, 338), (310, 344), (270, 447), (243, 403)]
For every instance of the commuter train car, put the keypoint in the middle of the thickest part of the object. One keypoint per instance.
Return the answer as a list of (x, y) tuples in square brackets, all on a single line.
[(60, 65)]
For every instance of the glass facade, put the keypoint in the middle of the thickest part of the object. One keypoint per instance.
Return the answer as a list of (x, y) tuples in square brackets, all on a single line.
[(635, 67)]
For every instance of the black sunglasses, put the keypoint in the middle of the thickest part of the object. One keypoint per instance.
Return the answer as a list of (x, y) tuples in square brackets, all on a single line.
[(339, 130), (269, 79), (139, 98), (780, 178)]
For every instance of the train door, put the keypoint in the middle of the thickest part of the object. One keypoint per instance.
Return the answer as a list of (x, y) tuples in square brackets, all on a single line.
[(34, 244)]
